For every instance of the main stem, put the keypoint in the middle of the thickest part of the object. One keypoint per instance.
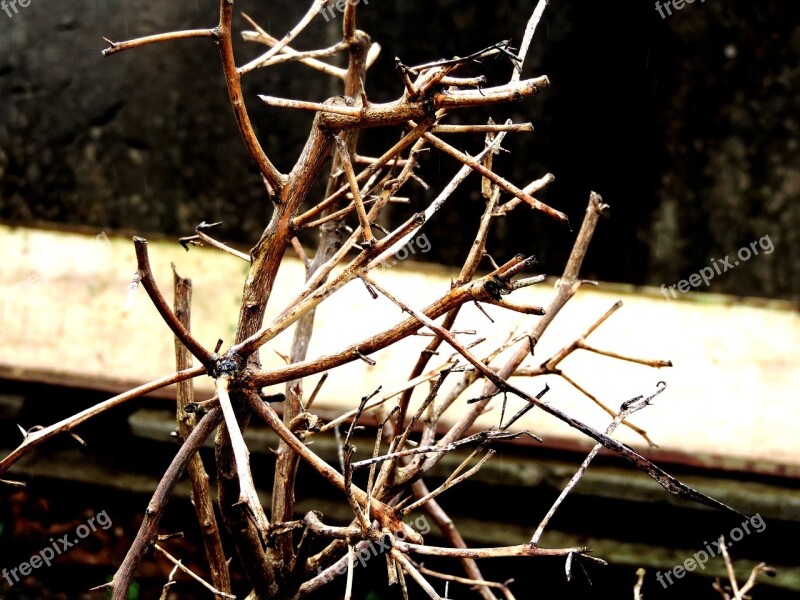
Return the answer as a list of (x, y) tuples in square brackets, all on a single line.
[(331, 237)]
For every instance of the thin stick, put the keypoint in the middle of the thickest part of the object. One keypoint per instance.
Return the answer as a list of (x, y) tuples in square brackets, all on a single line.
[(532, 187), (520, 308), (376, 450), (627, 409), (191, 574), (729, 568), (201, 493), (470, 582), (658, 364), (247, 490), (265, 38), (312, 12), (224, 247), (289, 55), (530, 30), (34, 438), (347, 165), (450, 482), (148, 282), (121, 581), (637, 588), (751, 581), (334, 109), (169, 584), (348, 590), (317, 388), (443, 146), (274, 178), (518, 127), (498, 552), (409, 568), (115, 47), (349, 21), (368, 462)]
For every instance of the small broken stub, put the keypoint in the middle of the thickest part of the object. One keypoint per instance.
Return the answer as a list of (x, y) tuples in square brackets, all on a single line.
[(226, 366), (495, 288)]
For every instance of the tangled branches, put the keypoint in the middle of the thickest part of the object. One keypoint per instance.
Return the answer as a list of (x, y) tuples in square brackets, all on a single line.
[(276, 551)]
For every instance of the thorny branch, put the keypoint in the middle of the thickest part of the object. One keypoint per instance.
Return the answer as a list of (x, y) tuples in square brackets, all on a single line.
[(276, 554), (201, 492), (733, 591)]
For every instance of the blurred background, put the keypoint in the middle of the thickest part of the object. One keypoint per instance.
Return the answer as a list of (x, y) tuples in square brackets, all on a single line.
[(686, 125)]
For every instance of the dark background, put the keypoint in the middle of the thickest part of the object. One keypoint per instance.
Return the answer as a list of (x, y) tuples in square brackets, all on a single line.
[(686, 125)]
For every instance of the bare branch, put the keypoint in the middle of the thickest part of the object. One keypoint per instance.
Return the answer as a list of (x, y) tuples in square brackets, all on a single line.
[(530, 30), (502, 183), (379, 510), (232, 79), (115, 47), (247, 491), (155, 509), (312, 12), (148, 282), (34, 438), (627, 408), (477, 553), (190, 573), (201, 493), (517, 127), (344, 154), (409, 568), (451, 534)]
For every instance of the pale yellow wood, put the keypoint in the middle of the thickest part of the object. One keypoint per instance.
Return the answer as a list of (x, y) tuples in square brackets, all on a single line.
[(732, 392)]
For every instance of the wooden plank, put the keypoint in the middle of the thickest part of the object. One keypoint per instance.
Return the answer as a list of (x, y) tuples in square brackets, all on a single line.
[(731, 400)]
